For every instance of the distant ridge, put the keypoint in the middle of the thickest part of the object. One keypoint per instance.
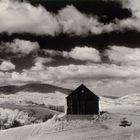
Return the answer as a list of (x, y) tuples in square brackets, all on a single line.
[(33, 87), (61, 0)]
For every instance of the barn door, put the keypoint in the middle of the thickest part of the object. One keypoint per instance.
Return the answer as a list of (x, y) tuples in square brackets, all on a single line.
[(82, 107), (76, 107)]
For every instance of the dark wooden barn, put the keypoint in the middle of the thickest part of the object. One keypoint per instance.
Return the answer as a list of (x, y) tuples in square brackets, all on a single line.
[(82, 102)]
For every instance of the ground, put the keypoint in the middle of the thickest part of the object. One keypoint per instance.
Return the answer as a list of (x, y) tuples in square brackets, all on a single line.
[(105, 130), (60, 129)]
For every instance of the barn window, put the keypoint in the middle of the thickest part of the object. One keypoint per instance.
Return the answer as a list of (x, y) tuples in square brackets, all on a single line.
[(82, 91)]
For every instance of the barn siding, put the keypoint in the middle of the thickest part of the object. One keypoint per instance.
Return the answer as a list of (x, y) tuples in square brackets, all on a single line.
[(82, 102)]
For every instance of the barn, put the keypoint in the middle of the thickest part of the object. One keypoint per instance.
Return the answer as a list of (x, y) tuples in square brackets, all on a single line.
[(82, 102)]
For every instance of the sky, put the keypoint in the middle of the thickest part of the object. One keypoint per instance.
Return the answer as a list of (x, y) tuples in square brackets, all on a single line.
[(66, 43)]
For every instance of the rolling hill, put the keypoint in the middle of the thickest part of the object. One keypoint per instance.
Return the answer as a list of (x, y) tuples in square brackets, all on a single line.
[(33, 87)]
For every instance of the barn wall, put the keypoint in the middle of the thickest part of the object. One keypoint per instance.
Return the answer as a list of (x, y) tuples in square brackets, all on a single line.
[(82, 107), (82, 101)]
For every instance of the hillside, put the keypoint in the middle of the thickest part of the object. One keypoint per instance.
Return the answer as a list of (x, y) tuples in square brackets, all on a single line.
[(33, 87)]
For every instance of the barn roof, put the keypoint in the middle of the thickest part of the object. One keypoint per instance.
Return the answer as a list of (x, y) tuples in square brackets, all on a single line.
[(80, 89)]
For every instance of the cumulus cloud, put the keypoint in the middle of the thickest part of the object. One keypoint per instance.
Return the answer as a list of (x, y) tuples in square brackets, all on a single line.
[(22, 17), (7, 66), (127, 57), (74, 72), (100, 77), (132, 23), (40, 61), (105, 79), (15, 76), (84, 54), (124, 55), (19, 47), (134, 6), (75, 22)]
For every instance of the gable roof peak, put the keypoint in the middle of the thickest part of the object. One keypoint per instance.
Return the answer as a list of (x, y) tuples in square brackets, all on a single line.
[(82, 85), (81, 88)]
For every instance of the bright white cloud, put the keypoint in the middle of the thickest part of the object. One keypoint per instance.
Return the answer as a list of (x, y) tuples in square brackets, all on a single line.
[(7, 66), (94, 72), (15, 76), (134, 6), (75, 22), (40, 61), (131, 22), (99, 77), (122, 74), (20, 47), (108, 79), (20, 17), (124, 55), (84, 54)]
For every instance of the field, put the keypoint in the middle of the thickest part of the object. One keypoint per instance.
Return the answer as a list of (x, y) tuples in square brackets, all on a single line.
[(106, 127)]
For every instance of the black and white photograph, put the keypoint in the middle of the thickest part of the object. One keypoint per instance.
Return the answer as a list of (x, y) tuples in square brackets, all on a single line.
[(69, 69)]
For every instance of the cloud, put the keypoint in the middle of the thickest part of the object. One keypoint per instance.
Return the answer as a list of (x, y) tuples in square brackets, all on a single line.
[(18, 46), (123, 68), (77, 23), (74, 72), (74, 22), (52, 53), (105, 79), (84, 54), (124, 55), (40, 61), (22, 17), (132, 23), (21, 77), (7, 66), (43, 60), (134, 6)]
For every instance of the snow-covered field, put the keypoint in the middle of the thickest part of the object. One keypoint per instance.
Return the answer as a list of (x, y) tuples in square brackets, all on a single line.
[(129, 102), (76, 130), (55, 129), (25, 98)]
